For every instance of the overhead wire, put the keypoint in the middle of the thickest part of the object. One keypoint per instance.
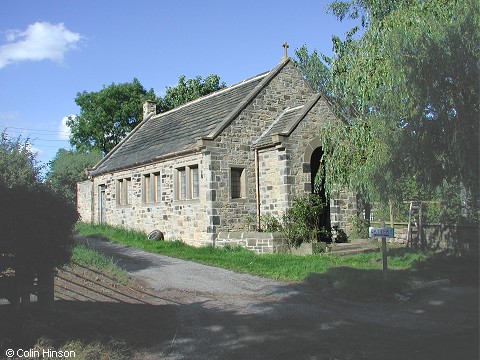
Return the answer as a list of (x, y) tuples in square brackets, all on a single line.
[(31, 133)]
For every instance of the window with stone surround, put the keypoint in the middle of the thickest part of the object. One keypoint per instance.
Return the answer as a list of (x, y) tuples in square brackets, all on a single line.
[(187, 183), (194, 182), (123, 191), (152, 188), (237, 183)]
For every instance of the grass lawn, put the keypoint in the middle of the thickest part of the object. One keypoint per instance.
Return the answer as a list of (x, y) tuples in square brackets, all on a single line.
[(357, 275)]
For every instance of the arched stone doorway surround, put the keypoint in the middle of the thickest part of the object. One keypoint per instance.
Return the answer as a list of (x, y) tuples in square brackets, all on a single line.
[(311, 166)]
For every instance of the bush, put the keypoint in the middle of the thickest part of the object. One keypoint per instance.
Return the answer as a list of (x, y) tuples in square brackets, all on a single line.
[(360, 227), (36, 228), (270, 223), (300, 222)]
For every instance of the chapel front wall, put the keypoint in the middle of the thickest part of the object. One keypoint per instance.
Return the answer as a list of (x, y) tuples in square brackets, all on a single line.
[(232, 147)]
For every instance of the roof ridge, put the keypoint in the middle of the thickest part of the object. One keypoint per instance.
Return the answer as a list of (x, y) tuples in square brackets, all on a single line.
[(247, 89), (212, 94)]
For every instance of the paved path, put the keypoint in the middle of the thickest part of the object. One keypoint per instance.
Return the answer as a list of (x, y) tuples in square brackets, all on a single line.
[(225, 315)]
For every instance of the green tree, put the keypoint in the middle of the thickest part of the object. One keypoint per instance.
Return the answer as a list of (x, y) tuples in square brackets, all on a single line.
[(18, 163), (106, 116), (67, 168), (315, 67), (188, 90), (409, 91)]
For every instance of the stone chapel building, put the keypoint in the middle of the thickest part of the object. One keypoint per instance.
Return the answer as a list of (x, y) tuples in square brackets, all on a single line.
[(214, 164)]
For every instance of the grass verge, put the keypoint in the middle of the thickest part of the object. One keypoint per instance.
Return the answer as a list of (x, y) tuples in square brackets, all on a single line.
[(355, 275), (86, 256)]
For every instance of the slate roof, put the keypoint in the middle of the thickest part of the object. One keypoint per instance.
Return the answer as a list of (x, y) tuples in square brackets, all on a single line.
[(177, 130), (285, 123)]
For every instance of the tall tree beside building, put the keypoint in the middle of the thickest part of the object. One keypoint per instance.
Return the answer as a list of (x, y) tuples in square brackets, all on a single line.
[(35, 223), (408, 88), (67, 168), (188, 90), (108, 115)]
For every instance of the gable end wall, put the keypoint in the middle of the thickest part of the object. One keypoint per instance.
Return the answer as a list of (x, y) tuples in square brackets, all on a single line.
[(232, 147)]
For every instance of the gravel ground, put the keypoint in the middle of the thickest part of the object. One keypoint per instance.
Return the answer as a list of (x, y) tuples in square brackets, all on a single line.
[(220, 314)]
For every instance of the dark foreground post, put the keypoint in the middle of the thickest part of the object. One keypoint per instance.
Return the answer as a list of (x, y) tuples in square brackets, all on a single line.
[(46, 287), (384, 254)]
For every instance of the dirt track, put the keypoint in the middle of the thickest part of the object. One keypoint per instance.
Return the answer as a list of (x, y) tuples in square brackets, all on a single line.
[(211, 313)]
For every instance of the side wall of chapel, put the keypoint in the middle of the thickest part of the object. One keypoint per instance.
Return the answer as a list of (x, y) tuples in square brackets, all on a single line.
[(185, 219)]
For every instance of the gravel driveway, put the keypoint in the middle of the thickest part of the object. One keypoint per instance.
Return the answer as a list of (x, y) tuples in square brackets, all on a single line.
[(221, 314)]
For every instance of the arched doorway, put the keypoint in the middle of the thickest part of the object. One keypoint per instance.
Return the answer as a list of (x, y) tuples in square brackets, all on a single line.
[(318, 186)]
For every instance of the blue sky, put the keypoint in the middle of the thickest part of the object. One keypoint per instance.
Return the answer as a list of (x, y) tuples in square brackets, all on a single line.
[(50, 50)]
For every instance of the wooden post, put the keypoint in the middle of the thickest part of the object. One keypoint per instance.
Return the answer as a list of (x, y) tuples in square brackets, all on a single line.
[(384, 254), (391, 213), (423, 243), (23, 281)]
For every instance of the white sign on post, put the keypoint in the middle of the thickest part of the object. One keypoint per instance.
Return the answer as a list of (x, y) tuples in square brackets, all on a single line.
[(382, 232)]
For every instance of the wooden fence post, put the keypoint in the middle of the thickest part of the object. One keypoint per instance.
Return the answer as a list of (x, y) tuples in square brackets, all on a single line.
[(24, 282), (384, 254), (391, 213)]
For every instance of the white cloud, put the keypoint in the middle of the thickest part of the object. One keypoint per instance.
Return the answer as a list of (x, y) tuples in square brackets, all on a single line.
[(40, 41), (63, 129), (34, 150)]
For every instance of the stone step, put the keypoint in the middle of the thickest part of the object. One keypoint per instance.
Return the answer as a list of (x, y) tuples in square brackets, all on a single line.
[(353, 247), (351, 251), (357, 243)]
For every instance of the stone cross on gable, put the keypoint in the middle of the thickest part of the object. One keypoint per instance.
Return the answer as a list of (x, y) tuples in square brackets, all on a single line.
[(285, 54)]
